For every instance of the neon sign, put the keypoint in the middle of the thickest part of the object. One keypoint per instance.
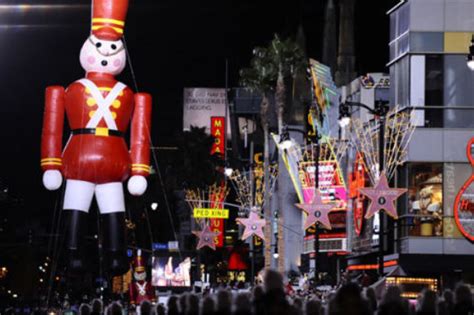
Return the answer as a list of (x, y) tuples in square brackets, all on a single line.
[(464, 202)]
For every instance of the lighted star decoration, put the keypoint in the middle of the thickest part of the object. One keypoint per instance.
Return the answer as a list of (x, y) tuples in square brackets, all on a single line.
[(206, 237), (253, 225), (382, 197), (317, 211)]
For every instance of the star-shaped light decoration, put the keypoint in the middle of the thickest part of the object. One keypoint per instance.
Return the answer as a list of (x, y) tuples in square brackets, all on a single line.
[(206, 237), (382, 197), (317, 211), (253, 225)]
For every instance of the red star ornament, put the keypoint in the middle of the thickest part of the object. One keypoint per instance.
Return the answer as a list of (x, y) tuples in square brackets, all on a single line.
[(382, 197), (253, 225), (206, 237), (317, 211)]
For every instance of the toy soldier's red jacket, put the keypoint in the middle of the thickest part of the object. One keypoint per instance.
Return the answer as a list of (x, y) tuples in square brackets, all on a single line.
[(141, 291), (96, 151)]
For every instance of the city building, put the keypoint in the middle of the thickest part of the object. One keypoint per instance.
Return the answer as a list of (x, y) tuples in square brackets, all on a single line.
[(429, 41)]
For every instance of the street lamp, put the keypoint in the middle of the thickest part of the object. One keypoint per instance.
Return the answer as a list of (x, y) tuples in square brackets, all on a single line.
[(380, 110), (470, 56)]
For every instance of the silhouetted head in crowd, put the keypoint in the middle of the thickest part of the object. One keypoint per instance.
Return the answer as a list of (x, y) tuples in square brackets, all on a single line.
[(448, 296), (160, 309), (272, 280), (393, 294), (208, 306), (371, 298), (183, 303), (462, 300), (193, 304), (114, 309), (313, 307), (84, 309), (172, 304), (349, 301), (145, 308), (242, 304), (224, 302), (97, 306), (428, 302), (462, 294)]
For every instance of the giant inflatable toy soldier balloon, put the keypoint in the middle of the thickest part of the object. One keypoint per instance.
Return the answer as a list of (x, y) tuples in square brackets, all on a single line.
[(96, 159), (140, 289)]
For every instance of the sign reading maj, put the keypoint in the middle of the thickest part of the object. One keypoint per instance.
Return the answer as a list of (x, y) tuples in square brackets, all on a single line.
[(200, 104)]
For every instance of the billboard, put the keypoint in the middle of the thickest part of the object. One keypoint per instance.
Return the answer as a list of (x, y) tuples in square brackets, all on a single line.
[(170, 271), (200, 104)]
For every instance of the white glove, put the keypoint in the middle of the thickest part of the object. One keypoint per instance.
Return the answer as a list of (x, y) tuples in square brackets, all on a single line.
[(52, 179), (137, 185)]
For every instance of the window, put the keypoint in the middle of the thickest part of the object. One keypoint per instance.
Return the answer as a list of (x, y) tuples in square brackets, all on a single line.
[(425, 199), (434, 81)]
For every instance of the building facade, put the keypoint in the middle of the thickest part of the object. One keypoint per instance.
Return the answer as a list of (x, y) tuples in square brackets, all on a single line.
[(429, 41)]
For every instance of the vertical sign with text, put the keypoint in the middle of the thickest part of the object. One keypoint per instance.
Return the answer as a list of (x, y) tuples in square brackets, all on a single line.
[(218, 132)]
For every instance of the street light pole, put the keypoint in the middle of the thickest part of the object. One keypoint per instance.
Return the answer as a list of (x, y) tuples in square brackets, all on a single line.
[(380, 110), (381, 168)]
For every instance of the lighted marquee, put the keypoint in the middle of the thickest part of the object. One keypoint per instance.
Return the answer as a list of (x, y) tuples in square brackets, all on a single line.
[(464, 203), (412, 287)]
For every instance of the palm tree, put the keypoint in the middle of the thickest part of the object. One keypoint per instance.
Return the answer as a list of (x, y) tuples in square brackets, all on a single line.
[(261, 77), (289, 58), (270, 67)]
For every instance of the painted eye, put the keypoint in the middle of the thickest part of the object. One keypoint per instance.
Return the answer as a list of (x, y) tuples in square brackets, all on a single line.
[(113, 46), (98, 45)]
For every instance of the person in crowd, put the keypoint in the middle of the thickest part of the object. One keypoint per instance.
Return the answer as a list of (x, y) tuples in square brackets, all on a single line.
[(463, 300), (145, 308), (393, 303), (274, 298), (242, 304), (257, 299), (183, 303), (85, 309), (192, 304), (208, 306), (297, 305), (370, 296), (97, 307), (428, 303), (114, 309), (160, 309), (349, 301), (224, 302), (173, 308)]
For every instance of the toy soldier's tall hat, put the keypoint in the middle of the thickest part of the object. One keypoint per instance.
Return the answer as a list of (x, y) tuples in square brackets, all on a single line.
[(139, 264), (108, 18)]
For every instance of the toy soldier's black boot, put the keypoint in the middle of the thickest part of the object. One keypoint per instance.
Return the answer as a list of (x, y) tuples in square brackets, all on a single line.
[(75, 228), (115, 245)]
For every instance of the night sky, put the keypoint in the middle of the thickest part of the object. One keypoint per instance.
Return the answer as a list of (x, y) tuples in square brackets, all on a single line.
[(172, 45)]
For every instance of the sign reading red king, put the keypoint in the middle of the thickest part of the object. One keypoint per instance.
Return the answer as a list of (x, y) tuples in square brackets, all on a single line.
[(358, 179), (464, 203), (218, 132)]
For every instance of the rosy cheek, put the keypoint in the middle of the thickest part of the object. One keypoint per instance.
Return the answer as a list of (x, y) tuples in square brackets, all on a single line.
[(91, 60), (117, 63)]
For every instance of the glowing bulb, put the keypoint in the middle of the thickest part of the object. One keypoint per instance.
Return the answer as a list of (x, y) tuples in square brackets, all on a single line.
[(470, 64), (344, 121), (228, 171)]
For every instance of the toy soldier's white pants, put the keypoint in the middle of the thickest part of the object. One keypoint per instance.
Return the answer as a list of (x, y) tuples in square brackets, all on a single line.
[(79, 196)]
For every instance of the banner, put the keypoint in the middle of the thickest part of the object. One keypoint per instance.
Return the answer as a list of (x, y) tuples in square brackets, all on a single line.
[(200, 104)]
